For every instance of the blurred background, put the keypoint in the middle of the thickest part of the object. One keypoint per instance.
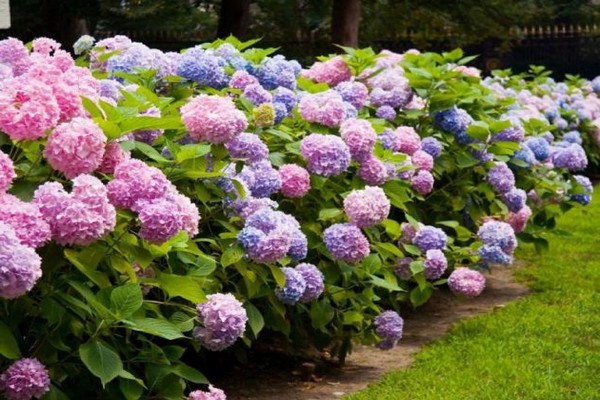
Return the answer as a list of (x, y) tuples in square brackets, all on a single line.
[(563, 35)]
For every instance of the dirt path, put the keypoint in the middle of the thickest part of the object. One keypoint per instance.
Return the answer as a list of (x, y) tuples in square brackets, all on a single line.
[(366, 364)]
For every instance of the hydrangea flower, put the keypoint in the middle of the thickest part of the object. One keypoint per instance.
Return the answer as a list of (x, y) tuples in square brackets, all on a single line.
[(573, 137), (240, 79), (386, 112), (83, 44), (539, 146), (515, 199), (389, 327), (20, 266), (572, 158), (264, 115), (213, 119), (326, 155), (422, 182), (407, 140), (212, 394), (256, 94), (498, 233), (294, 287), (518, 220), (28, 108), (25, 379), (501, 178), (314, 282), (355, 93), (331, 72), (408, 233), (25, 219), (295, 180), (262, 179), (431, 146), (298, 245), (7, 172), (360, 137), (223, 320), (148, 136), (586, 197), (373, 171), (455, 121), (285, 97), (466, 282), (367, 207), (494, 255), (277, 71), (422, 160), (113, 155), (202, 67), (135, 181), (76, 147), (524, 154), (160, 220), (402, 269), (435, 264), (513, 134), (14, 54), (325, 108), (430, 238), (248, 147), (346, 242)]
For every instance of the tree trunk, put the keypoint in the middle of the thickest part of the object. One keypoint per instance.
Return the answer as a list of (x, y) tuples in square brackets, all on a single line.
[(65, 22), (345, 20), (234, 18)]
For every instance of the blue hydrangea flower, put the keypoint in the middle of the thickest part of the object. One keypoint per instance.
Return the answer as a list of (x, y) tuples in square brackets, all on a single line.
[(494, 255), (386, 112), (572, 137), (431, 146), (586, 197), (497, 233), (430, 238), (512, 134), (203, 68), (286, 97), (515, 199), (294, 287), (540, 147), (455, 121), (525, 154)]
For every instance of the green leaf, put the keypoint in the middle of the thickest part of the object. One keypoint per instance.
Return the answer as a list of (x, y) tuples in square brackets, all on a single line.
[(232, 255), (145, 122), (131, 389), (87, 261), (151, 152), (321, 313), (191, 151), (392, 228), (392, 287), (101, 361), (187, 287), (255, 318), (156, 327), (189, 374), (127, 299), (8, 345), (277, 275), (329, 213), (419, 297)]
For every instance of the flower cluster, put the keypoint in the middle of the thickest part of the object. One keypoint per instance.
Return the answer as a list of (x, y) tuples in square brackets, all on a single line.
[(466, 282), (368, 207), (389, 327), (212, 394), (223, 321), (25, 379), (499, 242), (214, 119), (346, 242), (325, 155)]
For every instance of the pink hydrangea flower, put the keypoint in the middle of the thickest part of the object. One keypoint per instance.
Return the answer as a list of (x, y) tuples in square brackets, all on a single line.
[(325, 108), (7, 171), (14, 54), (360, 137), (134, 181), (212, 394), (28, 109), (113, 155), (160, 220), (70, 87), (331, 72), (240, 79), (190, 216), (25, 219), (422, 182), (213, 119), (466, 282), (373, 171), (295, 180), (76, 147), (408, 140), (368, 207), (422, 160), (518, 220)]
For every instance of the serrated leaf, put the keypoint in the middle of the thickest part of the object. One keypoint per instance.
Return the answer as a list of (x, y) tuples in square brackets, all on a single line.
[(101, 361), (156, 327), (127, 299), (151, 152), (327, 214), (232, 255), (183, 286)]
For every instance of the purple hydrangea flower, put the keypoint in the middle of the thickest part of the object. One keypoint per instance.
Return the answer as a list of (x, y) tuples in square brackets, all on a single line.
[(368, 207), (314, 282), (494, 255), (25, 379), (373, 171), (435, 264), (160, 220), (422, 182), (572, 158), (386, 112), (360, 137), (389, 326), (501, 178), (256, 94), (513, 134), (573, 137), (248, 147), (346, 242), (430, 238), (326, 155), (455, 121), (497, 233), (586, 197), (298, 246), (539, 146), (431, 146), (515, 199), (212, 394), (265, 180), (285, 97), (402, 269), (466, 282), (354, 93), (294, 287), (388, 139), (223, 321)]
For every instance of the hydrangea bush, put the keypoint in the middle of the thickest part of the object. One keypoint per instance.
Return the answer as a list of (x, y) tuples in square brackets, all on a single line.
[(157, 206)]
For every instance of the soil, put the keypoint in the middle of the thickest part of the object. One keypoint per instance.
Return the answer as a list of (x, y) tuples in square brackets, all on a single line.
[(277, 378)]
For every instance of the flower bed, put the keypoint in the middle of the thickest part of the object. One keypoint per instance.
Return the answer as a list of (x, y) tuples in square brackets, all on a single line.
[(161, 204)]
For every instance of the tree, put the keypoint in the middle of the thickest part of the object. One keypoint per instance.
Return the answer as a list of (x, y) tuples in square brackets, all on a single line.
[(345, 21), (234, 18)]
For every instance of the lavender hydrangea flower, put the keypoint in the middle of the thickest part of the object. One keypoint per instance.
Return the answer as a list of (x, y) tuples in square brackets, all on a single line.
[(402, 269), (314, 282), (422, 182), (435, 264), (294, 287), (431, 146), (223, 321), (389, 327), (25, 379), (573, 137), (497, 233), (212, 394), (515, 199), (430, 238), (359, 136), (513, 134), (368, 207), (249, 147), (256, 94), (286, 97), (265, 181), (572, 158), (326, 155), (20, 265), (524, 154), (501, 178), (494, 255), (466, 282), (277, 71), (386, 112), (298, 245), (346, 242), (354, 93)]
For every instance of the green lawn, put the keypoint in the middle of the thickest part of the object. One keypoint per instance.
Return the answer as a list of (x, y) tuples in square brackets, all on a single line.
[(545, 346)]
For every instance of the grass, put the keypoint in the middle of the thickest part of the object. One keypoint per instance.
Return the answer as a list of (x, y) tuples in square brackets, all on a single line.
[(545, 346)]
